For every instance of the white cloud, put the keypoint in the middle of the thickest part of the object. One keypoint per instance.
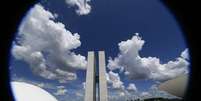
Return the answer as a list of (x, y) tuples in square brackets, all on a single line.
[(83, 85), (114, 79), (117, 90), (145, 95), (185, 54), (117, 86), (132, 87), (137, 67), (75, 94), (126, 94), (79, 94), (122, 95), (60, 91), (46, 46), (83, 7), (64, 76)]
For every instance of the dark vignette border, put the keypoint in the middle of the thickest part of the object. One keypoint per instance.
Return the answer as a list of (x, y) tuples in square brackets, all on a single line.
[(185, 13), (12, 13)]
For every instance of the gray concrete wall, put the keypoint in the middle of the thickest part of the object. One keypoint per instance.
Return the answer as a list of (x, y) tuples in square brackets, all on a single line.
[(103, 92), (90, 89)]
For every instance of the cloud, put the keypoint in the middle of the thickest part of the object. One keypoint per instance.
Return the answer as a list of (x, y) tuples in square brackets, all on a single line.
[(47, 46), (79, 94), (185, 54), (84, 85), (60, 91), (117, 89), (122, 95), (145, 95), (114, 79), (74, 94), (132, 87), (127, 94), (117, 96), (116, 85), (137, 67), (64, 76), (83, 7)]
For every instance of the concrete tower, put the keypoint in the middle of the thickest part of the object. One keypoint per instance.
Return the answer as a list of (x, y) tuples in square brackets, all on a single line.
[(102, 77), (90, 90)]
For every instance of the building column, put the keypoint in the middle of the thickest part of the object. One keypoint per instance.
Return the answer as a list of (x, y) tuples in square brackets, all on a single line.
[(103, 92), (90, 89)]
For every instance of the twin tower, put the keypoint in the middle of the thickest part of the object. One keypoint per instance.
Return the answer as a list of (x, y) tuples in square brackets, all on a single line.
[(96, 77)]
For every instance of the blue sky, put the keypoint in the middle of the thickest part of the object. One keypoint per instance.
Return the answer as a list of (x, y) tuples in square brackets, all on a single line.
[(113, 21), (116, 21), (109, 23)]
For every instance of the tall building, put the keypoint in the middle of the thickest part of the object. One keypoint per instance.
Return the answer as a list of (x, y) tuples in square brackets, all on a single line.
[(92, 79)]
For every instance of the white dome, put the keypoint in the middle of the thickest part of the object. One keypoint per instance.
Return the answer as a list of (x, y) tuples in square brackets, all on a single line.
[(27, 92), (176, 86)]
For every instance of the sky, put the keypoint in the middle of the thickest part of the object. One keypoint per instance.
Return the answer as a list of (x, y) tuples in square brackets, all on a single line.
[(143, 43)]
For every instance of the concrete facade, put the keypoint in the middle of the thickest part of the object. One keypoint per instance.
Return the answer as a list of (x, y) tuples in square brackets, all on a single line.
[(92, 79), (90, 89), (103, 92)]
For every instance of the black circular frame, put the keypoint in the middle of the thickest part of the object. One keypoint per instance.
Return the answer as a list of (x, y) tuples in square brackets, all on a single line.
[(13, 12)]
